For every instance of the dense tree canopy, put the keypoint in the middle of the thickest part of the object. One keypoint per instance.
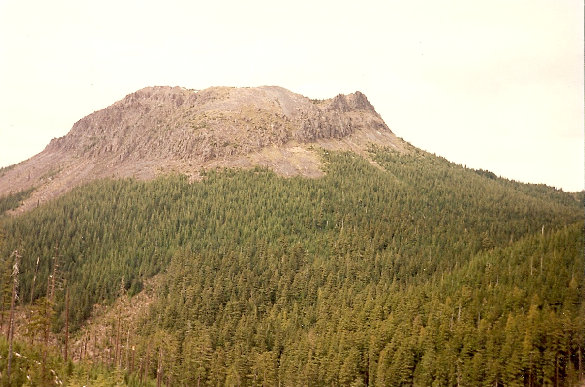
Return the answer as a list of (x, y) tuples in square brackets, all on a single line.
[(406, 270)]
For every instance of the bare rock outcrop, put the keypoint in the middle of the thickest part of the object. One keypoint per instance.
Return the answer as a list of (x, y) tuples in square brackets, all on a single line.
[(160, 129)]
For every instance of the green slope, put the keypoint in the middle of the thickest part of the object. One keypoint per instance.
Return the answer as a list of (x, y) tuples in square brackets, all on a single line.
[(493, 321), (268, 268)]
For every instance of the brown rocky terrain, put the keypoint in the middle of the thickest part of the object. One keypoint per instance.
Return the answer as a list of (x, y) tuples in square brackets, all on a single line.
[(172, 129)]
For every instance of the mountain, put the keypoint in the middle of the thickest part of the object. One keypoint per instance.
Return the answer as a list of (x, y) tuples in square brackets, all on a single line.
[(385, 265), (158, 130)]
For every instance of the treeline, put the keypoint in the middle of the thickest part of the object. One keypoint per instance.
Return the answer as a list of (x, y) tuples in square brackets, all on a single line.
[(310, 273)]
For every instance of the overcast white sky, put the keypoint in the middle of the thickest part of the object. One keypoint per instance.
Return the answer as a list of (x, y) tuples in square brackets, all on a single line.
[(492, 84)]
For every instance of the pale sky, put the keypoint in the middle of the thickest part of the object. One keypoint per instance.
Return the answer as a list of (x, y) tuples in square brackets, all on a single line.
[(492, 84)]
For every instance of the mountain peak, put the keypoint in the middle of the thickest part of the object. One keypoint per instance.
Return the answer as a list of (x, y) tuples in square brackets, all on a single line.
[(161, 128), (354, 101)]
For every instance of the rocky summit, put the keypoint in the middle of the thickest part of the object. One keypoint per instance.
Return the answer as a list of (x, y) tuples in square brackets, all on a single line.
[(173, 129)]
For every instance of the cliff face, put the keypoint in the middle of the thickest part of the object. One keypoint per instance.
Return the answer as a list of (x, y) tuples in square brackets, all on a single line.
[(161, 129), (165, 122)]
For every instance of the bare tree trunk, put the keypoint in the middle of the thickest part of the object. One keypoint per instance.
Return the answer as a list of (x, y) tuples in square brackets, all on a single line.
[(11, 331), (8, 327), (54, 275), (12, 303), (128, 349), (83, 350), (94, 348), (32, 288), (66, 323), (117, 344), (141, 370), (32, 291), (46, 329), (110, 346), (48, 306), (147, 360), (159, 368), (2, 314)]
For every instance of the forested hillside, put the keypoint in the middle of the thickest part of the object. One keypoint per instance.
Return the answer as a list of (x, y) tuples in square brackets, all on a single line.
[(410, 271)]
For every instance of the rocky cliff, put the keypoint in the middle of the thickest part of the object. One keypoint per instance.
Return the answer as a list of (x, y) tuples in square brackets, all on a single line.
[(172, 129)]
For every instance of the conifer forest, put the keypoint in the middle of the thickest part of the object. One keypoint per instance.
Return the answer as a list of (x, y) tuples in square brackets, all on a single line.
[(403, 269)]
